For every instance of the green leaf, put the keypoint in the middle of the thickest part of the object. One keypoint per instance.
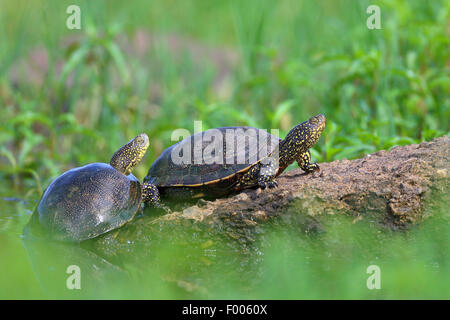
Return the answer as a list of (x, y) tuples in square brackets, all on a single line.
[(119, 60), (281, 110), (75, 58)]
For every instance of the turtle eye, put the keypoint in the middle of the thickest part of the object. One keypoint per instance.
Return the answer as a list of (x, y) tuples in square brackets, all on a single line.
[(139, 140)]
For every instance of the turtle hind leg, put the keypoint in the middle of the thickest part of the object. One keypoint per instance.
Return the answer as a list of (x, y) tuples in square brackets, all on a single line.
[(266, 177), (304, 162), (150, 195), (261, 175), (266, 174), (267, 182)]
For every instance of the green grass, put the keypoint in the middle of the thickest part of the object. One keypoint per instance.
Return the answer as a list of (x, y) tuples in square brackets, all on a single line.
[(260, 63), (292, 59)]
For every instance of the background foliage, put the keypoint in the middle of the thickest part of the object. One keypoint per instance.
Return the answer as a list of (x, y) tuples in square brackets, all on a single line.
[(72, 97)]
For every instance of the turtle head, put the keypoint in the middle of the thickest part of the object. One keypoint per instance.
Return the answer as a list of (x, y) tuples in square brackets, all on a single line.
[(128, 156), (313, 129), (301, 138)]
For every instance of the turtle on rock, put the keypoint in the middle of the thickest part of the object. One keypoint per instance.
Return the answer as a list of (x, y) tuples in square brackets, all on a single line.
[(88, 201), (225, 160)]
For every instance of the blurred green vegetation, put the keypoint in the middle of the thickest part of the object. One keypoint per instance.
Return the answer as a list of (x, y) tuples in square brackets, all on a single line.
[(290, 265), (70, 97)]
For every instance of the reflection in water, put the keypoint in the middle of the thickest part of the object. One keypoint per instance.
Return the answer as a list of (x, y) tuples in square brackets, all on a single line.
[(186, 260), (126, 263), (143, 259), (51, 261)]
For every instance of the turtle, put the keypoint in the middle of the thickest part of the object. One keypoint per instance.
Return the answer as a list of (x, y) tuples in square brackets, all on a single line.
[(88, 201), (207, 165)]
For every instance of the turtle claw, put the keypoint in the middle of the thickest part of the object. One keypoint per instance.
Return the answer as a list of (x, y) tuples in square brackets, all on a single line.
[(272, 184), (313, 167), (263, 184)]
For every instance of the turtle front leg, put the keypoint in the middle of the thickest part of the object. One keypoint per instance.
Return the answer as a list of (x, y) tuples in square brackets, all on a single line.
[(304, 162), (150, 194)]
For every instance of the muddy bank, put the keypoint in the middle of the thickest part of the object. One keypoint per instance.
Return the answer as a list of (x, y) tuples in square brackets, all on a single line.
[(393, 189)]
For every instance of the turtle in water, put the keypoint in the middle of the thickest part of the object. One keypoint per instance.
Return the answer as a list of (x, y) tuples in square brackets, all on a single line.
[(88, 201), (221, 161)]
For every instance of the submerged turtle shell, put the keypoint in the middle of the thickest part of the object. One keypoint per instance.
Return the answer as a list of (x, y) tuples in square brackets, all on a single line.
[(201, 167), (88, 201)]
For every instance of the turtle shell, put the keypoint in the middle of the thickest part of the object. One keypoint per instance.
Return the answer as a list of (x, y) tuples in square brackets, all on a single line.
[(211, 156), (88, 201)]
